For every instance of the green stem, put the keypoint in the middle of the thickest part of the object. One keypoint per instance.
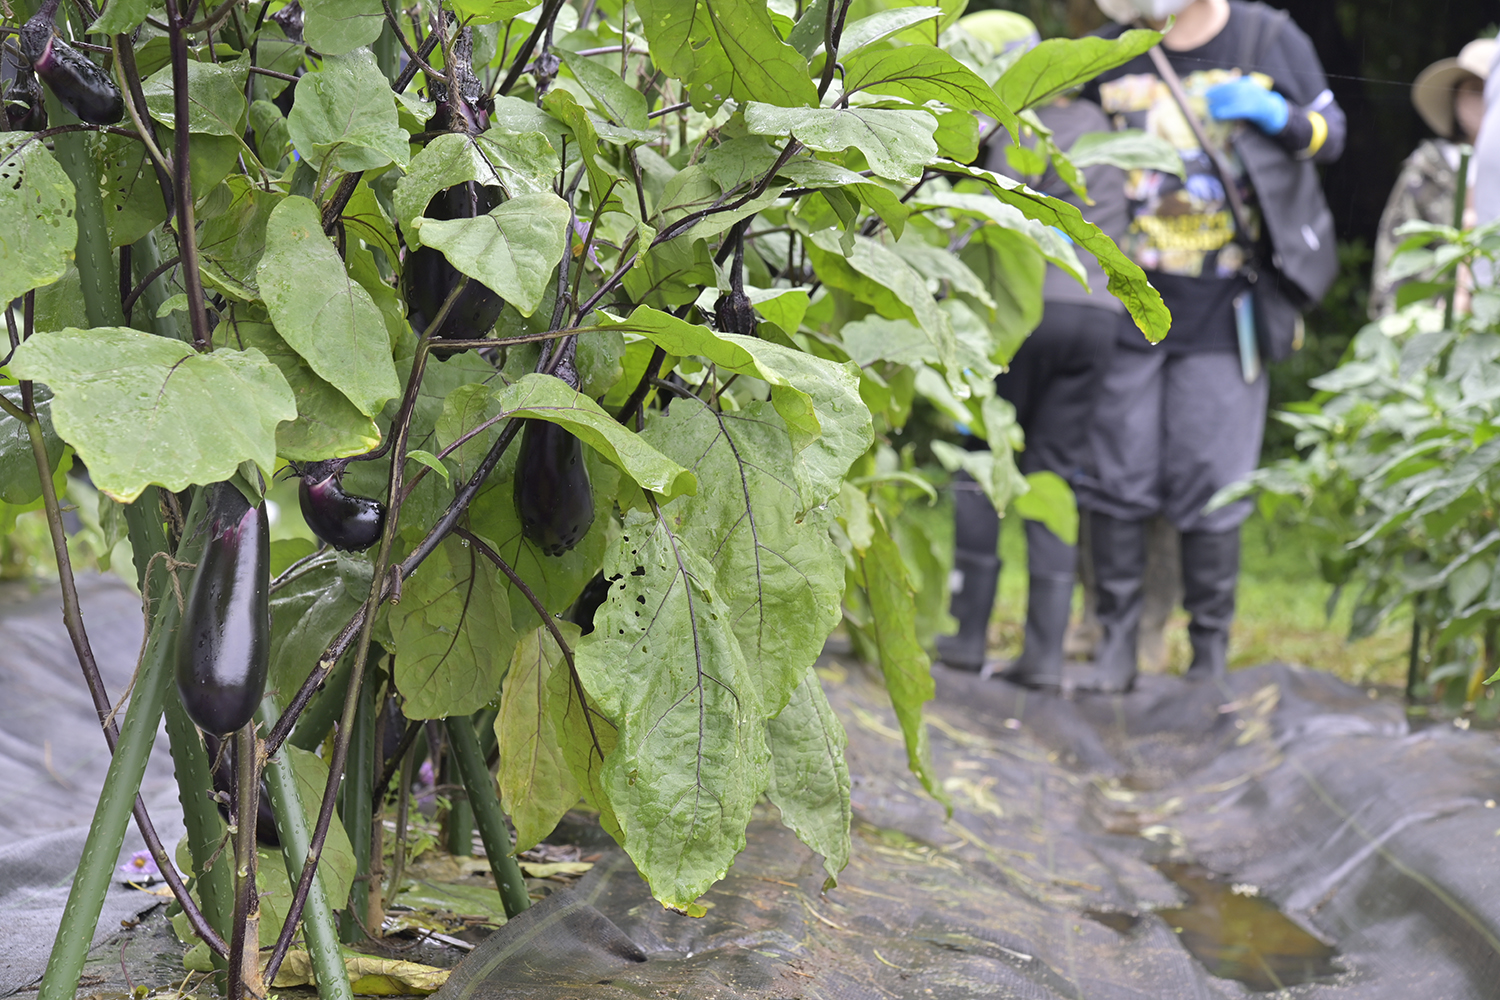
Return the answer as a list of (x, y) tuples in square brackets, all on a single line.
[(316, 722), (296, 838), (487, 815), (97, 271), (244, 953), (147, 258), (357, 810), (205, 828), (101, 849), (387, 55), (460, 823)]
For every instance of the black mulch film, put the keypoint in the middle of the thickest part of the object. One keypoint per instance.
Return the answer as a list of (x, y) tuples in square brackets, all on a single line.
[(1284, 834)]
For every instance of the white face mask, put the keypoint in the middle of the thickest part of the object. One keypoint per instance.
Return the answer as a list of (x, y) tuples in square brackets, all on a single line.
[(1159, 10)]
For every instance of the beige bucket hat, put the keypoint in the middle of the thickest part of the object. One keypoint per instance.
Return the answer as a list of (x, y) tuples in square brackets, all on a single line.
[(1432, 93)]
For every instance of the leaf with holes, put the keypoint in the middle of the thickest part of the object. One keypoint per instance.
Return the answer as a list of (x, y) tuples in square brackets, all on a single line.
[(778, 569), (665, 664), (37, 228)]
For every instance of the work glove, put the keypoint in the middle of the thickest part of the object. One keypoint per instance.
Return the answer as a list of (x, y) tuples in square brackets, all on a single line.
[(1246, 99)]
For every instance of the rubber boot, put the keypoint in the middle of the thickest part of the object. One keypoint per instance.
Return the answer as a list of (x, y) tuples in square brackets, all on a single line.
[(976, 573), (1049, 604), (1210, 570), (1119, 549)]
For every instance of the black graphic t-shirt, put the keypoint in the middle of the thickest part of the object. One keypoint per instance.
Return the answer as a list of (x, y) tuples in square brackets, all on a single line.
[(1182, 230)]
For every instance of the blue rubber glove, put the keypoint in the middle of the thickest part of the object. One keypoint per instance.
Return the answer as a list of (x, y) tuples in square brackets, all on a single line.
[(1244, 98)]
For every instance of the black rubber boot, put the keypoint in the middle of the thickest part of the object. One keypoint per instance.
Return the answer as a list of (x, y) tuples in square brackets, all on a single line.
[(1119, 549), (976, 572), (1049, 604), (1210, 570)]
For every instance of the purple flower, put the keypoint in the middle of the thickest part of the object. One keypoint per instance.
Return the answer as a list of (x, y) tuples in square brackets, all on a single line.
[(140, 867), (424, 773)]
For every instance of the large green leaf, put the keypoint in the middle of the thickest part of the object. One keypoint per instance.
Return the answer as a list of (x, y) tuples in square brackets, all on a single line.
[(882, 24), (723, 49), (216, 97), (345, 116), (809, 776), (925, 73), (337, 27), (897, 143), (320, 311), (453, 634), (665, 665), (536, 784), (877, 275), (514, 249), (1049, 241), (778, 569), (327, 424), (141, 409), (1129, 149), (309, 610), (449, 159), (232, 240), (1012, 269), (547, 398), (1127, 282), (37, 230), (1059, 64), (613, 97), (491, 11), (908, 673)]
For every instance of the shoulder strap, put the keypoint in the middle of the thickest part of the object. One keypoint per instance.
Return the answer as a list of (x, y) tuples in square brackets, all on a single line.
[(1216, 156)]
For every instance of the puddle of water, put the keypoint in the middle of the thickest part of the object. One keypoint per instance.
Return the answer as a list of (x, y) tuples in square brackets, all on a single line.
[(1243, 937)]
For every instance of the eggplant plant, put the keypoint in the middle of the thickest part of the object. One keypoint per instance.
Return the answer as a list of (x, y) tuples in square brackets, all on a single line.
[(707, 268)]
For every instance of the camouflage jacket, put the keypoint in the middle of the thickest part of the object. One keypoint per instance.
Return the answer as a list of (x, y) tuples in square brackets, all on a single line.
[(1424, 191)]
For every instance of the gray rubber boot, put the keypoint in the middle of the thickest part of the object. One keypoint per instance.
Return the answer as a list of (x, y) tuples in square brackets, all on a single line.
[(1210, 570), (1119, 549), (1049, 605), (976, 573)]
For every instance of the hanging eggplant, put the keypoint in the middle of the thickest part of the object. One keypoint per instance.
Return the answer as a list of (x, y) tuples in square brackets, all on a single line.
[(427, 278), (223, 648), (554, 497), (265, 818), (77, 81), (25, 111), (346, 521)]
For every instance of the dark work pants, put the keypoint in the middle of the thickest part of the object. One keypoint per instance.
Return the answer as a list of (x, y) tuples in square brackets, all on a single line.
[(1170, 431), (1053, 382)]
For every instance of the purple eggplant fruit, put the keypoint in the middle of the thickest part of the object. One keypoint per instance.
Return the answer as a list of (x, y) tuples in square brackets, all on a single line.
[(80, 84), (223, 648), (25, 111), (348, 522), (553, 495), (427, 278), (265, 818)]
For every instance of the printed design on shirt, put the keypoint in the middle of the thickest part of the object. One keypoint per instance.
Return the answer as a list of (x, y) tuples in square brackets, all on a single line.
[(1181, 226)]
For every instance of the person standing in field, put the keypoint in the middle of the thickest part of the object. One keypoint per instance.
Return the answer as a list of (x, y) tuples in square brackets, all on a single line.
[(1052, 381), (1177, 422), (1449, 95)]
